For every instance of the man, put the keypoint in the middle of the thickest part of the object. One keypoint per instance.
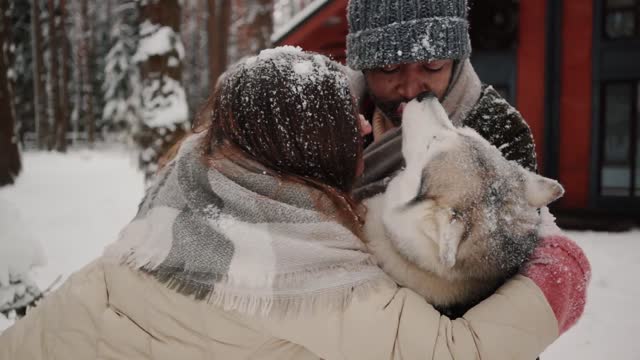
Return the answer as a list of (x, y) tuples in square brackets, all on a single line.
[(406, 48)]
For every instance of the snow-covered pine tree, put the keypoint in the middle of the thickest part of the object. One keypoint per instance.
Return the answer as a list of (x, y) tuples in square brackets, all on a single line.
[(121, 87), (19, 253), (159, 57)]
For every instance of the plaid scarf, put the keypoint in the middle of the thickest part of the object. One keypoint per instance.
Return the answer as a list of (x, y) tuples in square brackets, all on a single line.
[(230, 233)]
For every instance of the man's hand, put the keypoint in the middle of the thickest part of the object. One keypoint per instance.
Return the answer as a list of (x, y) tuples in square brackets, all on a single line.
[(380, 124), (364, 126)]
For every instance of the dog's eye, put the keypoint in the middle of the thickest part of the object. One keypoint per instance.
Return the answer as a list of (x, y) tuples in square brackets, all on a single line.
[(456, 215), (421, 195)]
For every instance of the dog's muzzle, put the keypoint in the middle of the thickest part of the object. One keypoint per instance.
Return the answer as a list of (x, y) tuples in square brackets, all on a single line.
[(427, 95)]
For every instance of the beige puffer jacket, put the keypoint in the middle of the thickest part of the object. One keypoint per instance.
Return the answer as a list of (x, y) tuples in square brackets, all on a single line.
[(111, 312)]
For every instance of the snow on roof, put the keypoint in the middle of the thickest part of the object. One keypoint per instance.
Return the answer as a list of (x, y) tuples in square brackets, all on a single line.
[(298, 19)]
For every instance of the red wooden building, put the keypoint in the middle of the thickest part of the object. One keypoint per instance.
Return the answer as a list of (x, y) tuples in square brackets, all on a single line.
[(571, 67)]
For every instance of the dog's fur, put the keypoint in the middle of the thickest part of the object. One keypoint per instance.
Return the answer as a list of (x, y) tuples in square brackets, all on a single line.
[(459, 219)]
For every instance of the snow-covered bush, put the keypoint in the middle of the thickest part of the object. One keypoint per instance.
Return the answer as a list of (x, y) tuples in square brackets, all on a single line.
[(19, 253)]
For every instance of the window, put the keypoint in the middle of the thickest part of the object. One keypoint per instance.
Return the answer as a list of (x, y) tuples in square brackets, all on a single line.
[(494, 24), (620, 166), (621, 19), (616, 167), (493, 27), (637, 142)]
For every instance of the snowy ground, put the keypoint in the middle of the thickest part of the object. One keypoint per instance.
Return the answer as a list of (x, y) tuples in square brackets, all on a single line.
[(75, 204)]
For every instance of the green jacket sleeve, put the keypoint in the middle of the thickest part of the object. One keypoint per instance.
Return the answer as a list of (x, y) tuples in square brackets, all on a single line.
[(503, 126)]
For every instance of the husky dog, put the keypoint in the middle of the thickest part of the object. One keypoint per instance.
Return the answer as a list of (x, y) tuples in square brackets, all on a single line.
[(460, 219)]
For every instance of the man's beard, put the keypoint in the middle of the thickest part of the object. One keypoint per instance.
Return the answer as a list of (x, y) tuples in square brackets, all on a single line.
[(389, 109)]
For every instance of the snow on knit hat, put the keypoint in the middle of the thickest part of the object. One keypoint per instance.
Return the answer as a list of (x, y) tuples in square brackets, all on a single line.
[(386, 32)]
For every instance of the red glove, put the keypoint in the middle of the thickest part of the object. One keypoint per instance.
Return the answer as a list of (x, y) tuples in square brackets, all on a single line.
[(561, 270)]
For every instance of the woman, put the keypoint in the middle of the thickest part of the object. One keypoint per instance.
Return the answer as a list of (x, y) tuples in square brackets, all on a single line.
[(246, 247)]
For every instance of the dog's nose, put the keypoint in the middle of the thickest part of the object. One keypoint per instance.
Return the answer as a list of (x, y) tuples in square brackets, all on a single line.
[(425, 96)]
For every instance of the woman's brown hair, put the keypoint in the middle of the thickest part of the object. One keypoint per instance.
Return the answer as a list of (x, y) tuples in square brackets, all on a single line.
[(292, 112)]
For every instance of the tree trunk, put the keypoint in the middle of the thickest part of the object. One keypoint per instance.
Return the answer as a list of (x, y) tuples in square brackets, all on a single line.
[(54, 79), (203, 56), (42, 122), (195, 16), (263, 25), (218, 29), (186, 14), (85, 56), (61, 132), (188, 34), (109, 22), (253, 27), (9, 155)]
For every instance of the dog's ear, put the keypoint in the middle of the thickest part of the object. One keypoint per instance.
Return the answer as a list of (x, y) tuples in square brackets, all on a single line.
[(449, 236), (540, 191)]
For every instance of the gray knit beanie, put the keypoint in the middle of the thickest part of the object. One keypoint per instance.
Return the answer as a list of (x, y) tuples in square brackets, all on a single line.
[(387, 32)]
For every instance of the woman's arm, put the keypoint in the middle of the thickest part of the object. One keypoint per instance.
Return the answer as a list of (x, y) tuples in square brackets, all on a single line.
[(396, 323)]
